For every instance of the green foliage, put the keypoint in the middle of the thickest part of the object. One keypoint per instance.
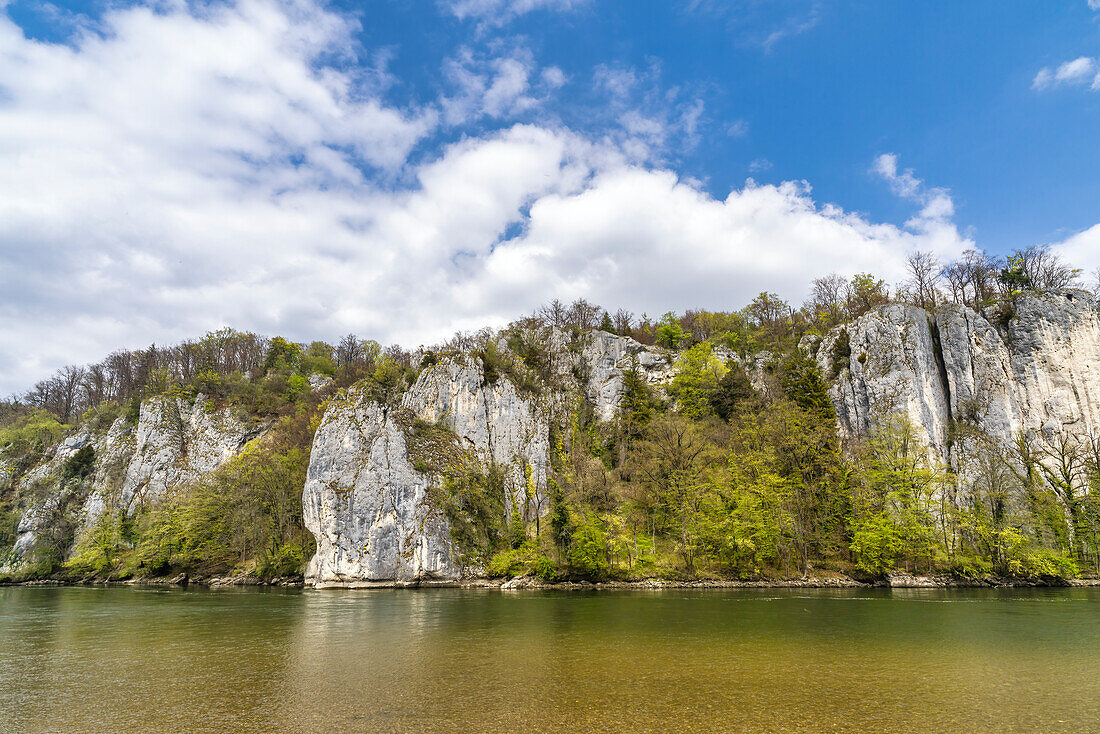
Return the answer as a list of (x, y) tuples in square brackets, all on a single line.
[(27, 437), (80, 465), (803, 384), (876, 543), (387, 382), (282, 354), (865, 292), (840, 354), (588, 551), (524, 560), (1014, 275), (473, 503), (733, 393), (669, 332), (517, 528), (559, 515), (697, 379), (637, 405)]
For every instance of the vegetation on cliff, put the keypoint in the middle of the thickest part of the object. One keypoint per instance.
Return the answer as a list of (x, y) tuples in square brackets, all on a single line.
[(718, 473)]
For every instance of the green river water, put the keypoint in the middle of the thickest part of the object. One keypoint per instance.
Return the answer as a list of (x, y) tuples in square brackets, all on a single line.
[(453, 660)]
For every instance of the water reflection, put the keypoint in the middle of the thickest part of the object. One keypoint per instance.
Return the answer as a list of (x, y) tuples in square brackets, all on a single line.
[(449, 660)]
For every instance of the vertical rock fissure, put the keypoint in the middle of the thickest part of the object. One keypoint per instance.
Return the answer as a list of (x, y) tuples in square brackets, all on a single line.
[(945, 382)]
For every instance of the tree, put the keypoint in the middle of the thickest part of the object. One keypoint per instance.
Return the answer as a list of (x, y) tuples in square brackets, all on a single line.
[(669, 333), (1044, 269), (733, 392), (697, 376), (624, 322), (803, 384), (1014, 276), (673, 460), (636, 405), (282, 355), (772, 314), (925, 272), (865, 292), (606, 324), (559, 516), (827, 299)]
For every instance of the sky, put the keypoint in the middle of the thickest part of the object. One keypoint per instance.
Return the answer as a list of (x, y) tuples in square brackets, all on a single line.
[(405, 169)]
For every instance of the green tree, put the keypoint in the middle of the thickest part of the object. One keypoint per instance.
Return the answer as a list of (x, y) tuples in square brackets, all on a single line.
[(669, 332), (733, 392), (698, 374)]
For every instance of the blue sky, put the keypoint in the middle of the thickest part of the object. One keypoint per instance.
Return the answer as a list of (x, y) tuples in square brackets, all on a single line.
[(407, 168)]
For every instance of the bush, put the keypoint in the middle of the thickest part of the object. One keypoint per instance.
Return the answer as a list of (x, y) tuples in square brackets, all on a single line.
[(80, 465), (527, 560), (588, 553)]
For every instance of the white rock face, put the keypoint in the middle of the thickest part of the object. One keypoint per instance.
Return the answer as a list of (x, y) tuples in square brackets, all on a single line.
[(366, 503), (499, 425), (174, 443), (607, 356), (1032, 368), (892, 369)]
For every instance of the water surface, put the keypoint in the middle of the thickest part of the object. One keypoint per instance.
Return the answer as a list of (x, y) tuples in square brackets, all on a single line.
[(452, 660)]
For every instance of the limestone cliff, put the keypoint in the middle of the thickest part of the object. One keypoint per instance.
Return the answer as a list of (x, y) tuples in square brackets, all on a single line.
[(1026, 366), (174, 443), (367, 498), (1029, 366)]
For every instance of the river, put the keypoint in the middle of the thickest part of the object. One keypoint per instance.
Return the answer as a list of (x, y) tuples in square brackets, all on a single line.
[(120, 659)]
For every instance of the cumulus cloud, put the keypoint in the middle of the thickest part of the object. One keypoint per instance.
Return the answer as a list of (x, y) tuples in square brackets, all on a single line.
[(1082, 249), (210, 165), (1080, 71)]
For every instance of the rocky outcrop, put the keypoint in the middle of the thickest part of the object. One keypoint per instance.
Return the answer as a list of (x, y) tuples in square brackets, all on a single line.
[(174, 443), (606, 357), (1030, 365), (367, 500), (177, 443)]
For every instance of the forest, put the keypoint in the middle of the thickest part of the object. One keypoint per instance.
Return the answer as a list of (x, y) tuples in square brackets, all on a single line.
[(713, 477)]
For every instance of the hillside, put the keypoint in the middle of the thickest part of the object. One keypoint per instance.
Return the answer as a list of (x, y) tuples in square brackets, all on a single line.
[(948, 439)]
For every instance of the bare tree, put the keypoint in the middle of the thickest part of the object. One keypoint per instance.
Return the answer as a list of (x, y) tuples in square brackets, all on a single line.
[(624, 320), (924, 277), (957, 280), (1044, 269), (553, 313), (582, 315), (827, 297)]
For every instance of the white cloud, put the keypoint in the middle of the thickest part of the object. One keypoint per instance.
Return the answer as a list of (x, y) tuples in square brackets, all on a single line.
[(1083, 70), (1094, 4), (202, 166), (553, 77), (499, 12), (758, 165), (760, 23), (737, 129), (650, 119), (902, 183), (1082, 249), (488, 86), (937, 208)]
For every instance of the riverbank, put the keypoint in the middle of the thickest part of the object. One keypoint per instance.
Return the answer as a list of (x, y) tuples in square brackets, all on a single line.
[(897, 581)]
